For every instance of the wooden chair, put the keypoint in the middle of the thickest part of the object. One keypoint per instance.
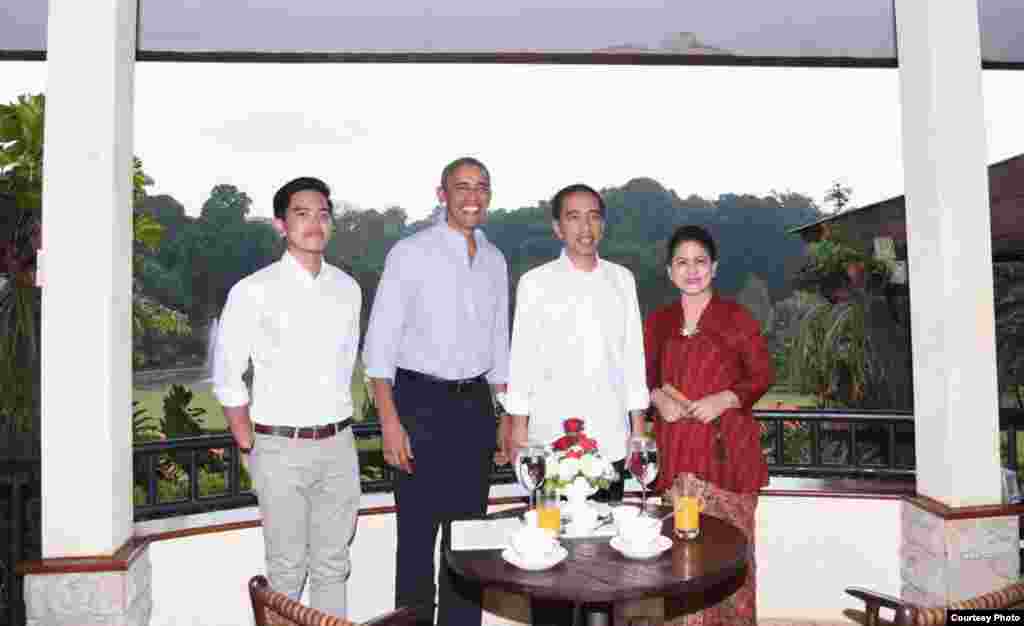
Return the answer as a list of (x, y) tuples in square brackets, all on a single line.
[(907, 614), (272, 608)]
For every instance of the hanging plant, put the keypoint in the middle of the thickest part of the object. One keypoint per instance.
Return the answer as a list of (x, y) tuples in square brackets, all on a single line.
[(835, 266)]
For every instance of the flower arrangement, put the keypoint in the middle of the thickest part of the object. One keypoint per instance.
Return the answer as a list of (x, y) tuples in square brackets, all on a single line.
[(575, 457)]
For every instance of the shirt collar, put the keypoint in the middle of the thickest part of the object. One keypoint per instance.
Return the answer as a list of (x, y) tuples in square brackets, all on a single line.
[(456, 240), (295, 270), (564, 258)]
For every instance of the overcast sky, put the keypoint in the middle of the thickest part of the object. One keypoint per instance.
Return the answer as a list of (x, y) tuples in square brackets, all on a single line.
[(380, 134), (862, 28)]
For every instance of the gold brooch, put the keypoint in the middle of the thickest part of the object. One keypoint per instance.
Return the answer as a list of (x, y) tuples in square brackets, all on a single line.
[(686, 332)]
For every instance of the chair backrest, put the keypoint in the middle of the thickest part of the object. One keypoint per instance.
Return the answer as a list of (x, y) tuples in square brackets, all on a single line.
[(272, 608), (905, 613), (1005, 598)]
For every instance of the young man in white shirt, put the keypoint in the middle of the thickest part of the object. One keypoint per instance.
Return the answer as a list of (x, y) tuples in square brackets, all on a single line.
[(298, 321), (577, 340)]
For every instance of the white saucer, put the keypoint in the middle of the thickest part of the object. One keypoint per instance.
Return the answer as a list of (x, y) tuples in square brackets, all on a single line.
[(661, 544), (557, 556)]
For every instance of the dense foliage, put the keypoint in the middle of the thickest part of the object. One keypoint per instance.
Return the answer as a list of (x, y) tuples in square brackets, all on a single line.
[(201, 257)]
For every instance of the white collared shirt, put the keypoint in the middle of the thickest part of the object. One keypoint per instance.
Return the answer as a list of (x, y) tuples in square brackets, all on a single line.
[(302, 334), (578, 351)]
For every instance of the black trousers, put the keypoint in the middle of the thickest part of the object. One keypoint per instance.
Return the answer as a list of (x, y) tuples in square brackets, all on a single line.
[(453, 434), (553, 613)]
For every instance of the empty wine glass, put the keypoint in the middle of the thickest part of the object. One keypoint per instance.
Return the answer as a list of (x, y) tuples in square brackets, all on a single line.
[(643, 465), (530, 464)]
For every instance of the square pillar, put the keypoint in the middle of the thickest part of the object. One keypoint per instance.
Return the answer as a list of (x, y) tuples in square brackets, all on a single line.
[(949, 250), (948, 555), (91, 572)]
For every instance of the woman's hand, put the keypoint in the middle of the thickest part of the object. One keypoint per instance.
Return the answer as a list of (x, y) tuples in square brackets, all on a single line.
[(710, 407), (671, 404)]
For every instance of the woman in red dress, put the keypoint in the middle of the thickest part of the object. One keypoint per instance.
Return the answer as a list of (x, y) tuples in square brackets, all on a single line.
[(707, 364)]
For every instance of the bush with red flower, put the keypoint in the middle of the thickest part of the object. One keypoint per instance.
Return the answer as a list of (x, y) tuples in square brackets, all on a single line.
[(575, 455)]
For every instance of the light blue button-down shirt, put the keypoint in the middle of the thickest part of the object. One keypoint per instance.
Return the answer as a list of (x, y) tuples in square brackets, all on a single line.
[(438, 313)]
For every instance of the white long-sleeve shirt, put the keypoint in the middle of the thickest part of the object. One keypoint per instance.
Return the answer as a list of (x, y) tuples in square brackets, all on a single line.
[(578, 351), (302, 334)]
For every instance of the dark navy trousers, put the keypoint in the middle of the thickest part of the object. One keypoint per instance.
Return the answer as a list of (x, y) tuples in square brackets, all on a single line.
[(453, 434)]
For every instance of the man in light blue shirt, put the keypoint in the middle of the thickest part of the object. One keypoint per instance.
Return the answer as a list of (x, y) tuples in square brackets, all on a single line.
[(438, 334)]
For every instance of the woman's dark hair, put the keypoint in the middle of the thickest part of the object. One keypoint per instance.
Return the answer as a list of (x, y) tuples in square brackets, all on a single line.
[(559, 199), (692, 233), (283, 196)]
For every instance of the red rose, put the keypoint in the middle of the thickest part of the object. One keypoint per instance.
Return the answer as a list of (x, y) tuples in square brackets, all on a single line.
[(574, 454), (573, 425), (587, 444), (563, 443)]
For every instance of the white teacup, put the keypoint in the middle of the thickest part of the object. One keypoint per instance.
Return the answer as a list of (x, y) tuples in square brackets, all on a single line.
[(534, 543), (640, 532), (623, 513)]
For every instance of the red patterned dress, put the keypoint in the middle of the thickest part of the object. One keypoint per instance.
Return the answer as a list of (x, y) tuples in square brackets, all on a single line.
[(727, 352)]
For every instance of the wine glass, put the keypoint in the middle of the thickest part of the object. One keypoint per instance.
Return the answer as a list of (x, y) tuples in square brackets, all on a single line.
[(530, 464), (643, 465)]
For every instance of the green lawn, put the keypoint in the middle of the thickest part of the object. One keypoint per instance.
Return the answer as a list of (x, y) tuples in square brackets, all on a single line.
[(787, 398), (213, 419)]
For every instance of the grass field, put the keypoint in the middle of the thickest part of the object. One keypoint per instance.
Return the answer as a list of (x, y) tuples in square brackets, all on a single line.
[(786, 398), (213, 419), (152, 400)]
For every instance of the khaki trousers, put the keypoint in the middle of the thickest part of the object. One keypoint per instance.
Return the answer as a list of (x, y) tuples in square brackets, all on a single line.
[(308, 492)]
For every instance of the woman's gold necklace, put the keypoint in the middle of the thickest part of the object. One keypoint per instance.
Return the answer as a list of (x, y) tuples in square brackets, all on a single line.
[(689, 331)]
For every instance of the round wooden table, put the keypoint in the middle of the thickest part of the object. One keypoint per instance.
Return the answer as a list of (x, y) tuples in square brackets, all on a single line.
[(595, 573)]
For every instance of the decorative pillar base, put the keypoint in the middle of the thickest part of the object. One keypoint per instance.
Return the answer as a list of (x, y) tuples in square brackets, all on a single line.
[(100, 591), (948, 554)]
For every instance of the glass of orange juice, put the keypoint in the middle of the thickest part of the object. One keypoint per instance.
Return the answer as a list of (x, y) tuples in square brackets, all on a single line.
[(549, 513), (686, 507)]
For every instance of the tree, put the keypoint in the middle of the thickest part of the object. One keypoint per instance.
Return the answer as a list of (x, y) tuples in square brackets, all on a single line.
[(223, 247), (838, 196), (227, 204), (21, 183)]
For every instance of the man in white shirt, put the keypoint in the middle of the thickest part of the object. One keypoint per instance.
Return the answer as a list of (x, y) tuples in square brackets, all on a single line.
[(577, 340), (298, 321), (577, 350)]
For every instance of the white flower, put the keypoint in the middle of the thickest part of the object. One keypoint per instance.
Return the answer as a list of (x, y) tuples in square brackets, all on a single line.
[(593, 467), (568, 469), (551, 467)]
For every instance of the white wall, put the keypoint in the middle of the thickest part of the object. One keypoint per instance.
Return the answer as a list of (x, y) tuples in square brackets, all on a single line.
[(808, 550)]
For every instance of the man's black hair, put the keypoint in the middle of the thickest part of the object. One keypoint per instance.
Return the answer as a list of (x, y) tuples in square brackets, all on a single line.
[(563, 193), (283, 196)]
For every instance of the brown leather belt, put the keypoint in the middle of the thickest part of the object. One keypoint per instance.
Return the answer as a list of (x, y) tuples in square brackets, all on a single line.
[(460, 385), (304, 432)]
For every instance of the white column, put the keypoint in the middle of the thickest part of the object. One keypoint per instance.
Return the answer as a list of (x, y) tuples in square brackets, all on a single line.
[(86, 317), (949, 250)]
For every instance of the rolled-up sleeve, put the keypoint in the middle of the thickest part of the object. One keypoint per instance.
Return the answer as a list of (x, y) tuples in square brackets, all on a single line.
[(387, 318), (525, 340), (499, 372), (233, 346), (637, 395)]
